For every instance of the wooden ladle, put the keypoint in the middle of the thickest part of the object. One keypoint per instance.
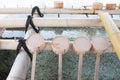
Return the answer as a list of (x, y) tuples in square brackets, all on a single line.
[(100, 44), (35, 43), (81, 45), (60, 46)]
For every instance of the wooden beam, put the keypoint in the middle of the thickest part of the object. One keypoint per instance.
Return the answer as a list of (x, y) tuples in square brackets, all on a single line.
[(115, 12), (67, 11), (12, 44), (55, 11), (112, 31), (52, 22)]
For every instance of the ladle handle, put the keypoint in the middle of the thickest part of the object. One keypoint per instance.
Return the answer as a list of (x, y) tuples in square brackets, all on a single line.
[(97, 66), (80, 66), (33, 66), (60, 67)]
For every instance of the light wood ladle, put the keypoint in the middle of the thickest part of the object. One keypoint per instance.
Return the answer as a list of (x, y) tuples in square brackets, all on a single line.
[(100, 44), (35, 43), (81, 45), (60, 46)]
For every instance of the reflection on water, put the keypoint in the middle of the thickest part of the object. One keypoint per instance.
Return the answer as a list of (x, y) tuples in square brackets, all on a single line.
[(11, 33), (50, 33)]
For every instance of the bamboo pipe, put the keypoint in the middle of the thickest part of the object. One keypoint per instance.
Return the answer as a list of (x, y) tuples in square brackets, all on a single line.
[(20, 67), (21, 64), (112, 31)]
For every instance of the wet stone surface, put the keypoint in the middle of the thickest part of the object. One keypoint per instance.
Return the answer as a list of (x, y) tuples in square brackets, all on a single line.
[(6, 60), (47, 66)]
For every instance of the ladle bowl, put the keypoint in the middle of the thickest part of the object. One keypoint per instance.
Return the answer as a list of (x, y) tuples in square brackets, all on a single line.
[(60, 43), (81, 45), (100, 43), (35, 42)]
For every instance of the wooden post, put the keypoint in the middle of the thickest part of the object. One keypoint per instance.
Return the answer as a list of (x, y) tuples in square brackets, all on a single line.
[(111, 6), (21, 64), (58, 4), (97, 6)]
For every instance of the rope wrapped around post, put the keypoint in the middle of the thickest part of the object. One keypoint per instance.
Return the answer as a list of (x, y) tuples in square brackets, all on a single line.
[(22, 61), (36, 8), (30, 22), (23, 44)]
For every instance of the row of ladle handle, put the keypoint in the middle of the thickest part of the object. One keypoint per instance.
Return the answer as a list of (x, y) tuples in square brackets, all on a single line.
[(60, 45)]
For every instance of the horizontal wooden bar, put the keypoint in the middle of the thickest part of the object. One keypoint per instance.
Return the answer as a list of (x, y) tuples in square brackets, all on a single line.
[(55, 11), (52, 22), (115, 12), (10, 44)]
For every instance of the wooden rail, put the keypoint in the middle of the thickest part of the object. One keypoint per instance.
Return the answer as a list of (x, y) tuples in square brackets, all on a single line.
[(55, 11), (11, 44), (52, 22)]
